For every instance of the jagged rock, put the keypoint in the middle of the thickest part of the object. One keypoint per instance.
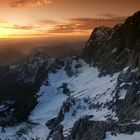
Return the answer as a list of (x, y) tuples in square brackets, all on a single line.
[(50, 123), (68, 104), (57, 133), (113, 49), (126, 128), (58, 64), (72, 64), (128, 106), (84, 129), (68, 68), (55, 122), (65, 89)]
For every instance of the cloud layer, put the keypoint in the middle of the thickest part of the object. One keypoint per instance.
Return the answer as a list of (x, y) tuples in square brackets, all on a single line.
[(45, 27), (23, 27), (48, 22), (29, 3), (85, 24)]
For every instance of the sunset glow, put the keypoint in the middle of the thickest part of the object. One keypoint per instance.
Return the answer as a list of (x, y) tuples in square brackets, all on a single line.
[(49, 18)]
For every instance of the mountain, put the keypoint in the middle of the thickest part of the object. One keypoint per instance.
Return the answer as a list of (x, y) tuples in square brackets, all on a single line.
[(95, 97), (20, 83), (113, 49)]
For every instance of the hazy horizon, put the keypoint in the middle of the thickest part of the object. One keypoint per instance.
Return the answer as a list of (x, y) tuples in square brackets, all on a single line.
[(62, 27), (13, 50)]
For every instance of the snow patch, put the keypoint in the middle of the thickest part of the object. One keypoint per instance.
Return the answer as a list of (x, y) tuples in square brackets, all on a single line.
[(122, 94)]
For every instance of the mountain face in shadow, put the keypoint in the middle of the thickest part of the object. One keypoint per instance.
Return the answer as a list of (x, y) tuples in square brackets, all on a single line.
[(113, 49)]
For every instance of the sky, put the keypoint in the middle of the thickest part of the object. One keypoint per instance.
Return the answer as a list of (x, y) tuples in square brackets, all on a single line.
[(61, 18)]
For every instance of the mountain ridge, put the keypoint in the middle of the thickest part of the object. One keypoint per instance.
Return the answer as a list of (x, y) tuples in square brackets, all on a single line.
[(117, 48)]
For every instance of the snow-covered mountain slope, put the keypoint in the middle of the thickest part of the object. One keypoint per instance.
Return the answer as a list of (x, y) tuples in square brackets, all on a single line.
[(20, 83), (88, 95)]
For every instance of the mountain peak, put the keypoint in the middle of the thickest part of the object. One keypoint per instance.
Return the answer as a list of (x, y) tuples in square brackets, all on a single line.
[(137, 15), (113, 49), (100, 32)]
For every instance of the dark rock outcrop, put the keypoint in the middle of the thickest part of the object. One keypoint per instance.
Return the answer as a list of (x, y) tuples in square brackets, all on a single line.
[(84, 129), (128, 107), (64, 89), (57, 133), (71, 66)]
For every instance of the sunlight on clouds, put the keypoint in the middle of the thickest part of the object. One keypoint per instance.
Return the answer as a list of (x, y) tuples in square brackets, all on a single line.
[(30, 3), (9, 30), (19, 31), (50, 27), (60, 17)]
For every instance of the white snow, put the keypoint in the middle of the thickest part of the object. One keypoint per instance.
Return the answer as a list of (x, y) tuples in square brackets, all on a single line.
[(2, 106), (85, 85), (135, 136), (122, 93), (13, 66), (49, 105), (50, 101)]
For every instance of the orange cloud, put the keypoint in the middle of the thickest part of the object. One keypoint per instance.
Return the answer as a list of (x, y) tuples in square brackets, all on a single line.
[(29, 3), (48, 21), (111, 16), (85, 24), (108, 15), (24, 27)]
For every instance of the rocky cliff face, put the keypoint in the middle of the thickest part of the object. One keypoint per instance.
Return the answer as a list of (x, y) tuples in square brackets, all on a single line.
[(113, 49)]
